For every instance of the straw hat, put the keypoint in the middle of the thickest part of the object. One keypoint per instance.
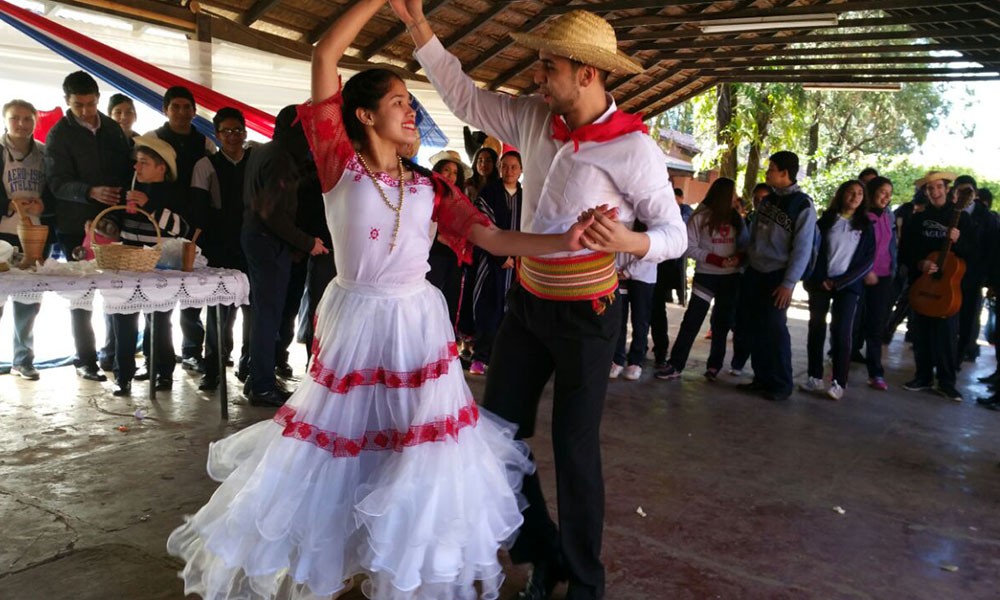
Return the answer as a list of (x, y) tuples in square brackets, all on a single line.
[(584, 37), (454, 157), (165, 150), (933, 176)]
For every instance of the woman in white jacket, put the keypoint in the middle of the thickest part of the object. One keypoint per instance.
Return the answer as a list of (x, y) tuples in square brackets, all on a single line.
[(717, 236)]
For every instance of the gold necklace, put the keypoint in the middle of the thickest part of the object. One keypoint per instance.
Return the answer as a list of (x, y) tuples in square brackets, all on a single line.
[(396, 209)]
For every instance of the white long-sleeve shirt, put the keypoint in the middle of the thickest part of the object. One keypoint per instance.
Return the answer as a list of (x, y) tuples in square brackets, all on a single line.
[(628, 172)]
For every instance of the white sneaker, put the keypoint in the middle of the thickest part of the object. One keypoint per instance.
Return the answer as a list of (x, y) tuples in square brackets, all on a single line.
[(812, 384), (632, 372), (835, 392), (736, 372), (616, 370)]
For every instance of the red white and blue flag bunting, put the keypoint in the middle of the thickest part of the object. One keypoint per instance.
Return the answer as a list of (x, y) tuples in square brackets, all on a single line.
[(147, 83)]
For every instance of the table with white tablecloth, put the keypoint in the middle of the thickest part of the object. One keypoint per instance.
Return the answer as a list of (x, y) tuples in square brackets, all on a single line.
[(126, 292)]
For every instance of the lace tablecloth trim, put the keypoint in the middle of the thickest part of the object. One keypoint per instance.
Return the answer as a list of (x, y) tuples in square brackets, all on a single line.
[(126, 292)]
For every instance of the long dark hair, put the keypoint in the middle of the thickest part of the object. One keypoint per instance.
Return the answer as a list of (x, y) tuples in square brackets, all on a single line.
[(460, 179), (872, 188), (477, 179), (718, 203), (364, 90), (859, 220)]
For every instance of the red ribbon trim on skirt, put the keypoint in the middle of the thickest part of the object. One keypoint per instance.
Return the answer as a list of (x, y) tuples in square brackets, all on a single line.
[(373, 441), (341, 384)]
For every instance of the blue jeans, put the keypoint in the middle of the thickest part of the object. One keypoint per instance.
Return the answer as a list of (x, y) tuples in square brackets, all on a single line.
[(24, 339), (269, 265), (637, 296)]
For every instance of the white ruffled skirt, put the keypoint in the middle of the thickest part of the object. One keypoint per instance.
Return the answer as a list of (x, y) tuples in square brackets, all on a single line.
[(380, 463)]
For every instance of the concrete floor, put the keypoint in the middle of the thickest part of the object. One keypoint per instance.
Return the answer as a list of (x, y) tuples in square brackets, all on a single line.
[(739, 497)]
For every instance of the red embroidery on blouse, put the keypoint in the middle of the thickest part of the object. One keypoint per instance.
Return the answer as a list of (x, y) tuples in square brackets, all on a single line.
[(373, 234), (353, 164), (341, 384), (372, 441)]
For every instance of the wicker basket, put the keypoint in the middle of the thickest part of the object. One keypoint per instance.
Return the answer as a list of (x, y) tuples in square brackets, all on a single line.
[(32, 238), (119, 257)]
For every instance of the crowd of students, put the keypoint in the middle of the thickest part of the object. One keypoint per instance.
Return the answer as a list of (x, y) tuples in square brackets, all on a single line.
[(256, 206), (856, 261)]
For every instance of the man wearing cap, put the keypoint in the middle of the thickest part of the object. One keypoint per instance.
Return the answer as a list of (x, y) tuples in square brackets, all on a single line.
[(580, 152), (88, 165), (935, 340)]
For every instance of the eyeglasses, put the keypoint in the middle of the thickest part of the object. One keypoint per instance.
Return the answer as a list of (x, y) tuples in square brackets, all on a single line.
[(232, 131)]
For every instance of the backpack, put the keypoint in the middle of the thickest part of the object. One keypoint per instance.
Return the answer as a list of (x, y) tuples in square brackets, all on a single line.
[(796, 204)]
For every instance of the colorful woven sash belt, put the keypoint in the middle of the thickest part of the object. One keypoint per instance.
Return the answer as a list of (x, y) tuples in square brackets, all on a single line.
[(586, 277)]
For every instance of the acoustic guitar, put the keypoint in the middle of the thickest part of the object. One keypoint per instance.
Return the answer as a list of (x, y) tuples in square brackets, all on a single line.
[(939, 294)]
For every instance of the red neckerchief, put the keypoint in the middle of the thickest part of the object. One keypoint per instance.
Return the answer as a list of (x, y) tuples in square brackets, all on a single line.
[(618, 124)]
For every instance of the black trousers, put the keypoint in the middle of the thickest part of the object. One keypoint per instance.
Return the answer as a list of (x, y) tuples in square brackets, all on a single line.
[(193, 332), (83, 329), (877, 302), (658, 312), (767, 330), (842, 305), (538, 339), (126, 333), (212, 336), (969, 322), (269, 263), (935, 347), (290, 311), (322, 270), (707, 288)]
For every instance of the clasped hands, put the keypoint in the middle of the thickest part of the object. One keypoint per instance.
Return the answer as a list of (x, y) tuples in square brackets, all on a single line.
[(599, 230)]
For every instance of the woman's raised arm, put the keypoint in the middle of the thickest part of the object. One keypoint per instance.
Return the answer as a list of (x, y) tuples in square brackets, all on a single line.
[(331, 47)]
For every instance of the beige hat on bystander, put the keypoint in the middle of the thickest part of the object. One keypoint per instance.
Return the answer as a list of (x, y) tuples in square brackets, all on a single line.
[(454, 157), (584, 37), (934, 176), (163, 149)]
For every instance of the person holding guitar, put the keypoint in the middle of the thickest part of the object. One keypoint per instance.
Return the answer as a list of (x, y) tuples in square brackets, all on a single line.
[(932, 247)]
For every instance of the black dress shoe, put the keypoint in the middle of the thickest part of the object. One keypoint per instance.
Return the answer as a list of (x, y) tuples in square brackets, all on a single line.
[(124, 389), (989, 400), (273, 399), (193, 363), (164, 384), (751, 386), (141, 375), (208, 383), (242, 374), (993, 377), (283, 370), (90, 373), (543, 580)]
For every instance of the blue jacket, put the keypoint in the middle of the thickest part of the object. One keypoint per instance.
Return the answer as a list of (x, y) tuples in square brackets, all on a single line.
[(861, 262)]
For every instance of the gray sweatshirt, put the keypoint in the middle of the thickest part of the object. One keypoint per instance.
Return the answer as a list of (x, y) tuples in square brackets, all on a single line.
[(781, 235), (723, 243)]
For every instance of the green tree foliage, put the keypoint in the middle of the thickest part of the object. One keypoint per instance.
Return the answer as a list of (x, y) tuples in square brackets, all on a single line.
[(835, 134)]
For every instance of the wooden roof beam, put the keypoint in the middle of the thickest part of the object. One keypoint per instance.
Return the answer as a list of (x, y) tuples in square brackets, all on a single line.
[(397, 30), (606, 7), (507, 41), (825, 51), (969, 32), (255, 12), (456, 37), (682, 93), (671, 34), (784, 11)]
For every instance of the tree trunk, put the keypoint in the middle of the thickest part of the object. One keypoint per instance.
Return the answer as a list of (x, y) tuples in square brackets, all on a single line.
[(724, 136), (763, 122), (813, 141)]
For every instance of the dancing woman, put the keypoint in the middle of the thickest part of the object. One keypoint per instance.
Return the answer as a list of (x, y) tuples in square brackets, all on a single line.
[(380, 463)]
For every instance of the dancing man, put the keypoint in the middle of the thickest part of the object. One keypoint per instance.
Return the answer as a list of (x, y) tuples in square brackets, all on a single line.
[(579, 151)]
